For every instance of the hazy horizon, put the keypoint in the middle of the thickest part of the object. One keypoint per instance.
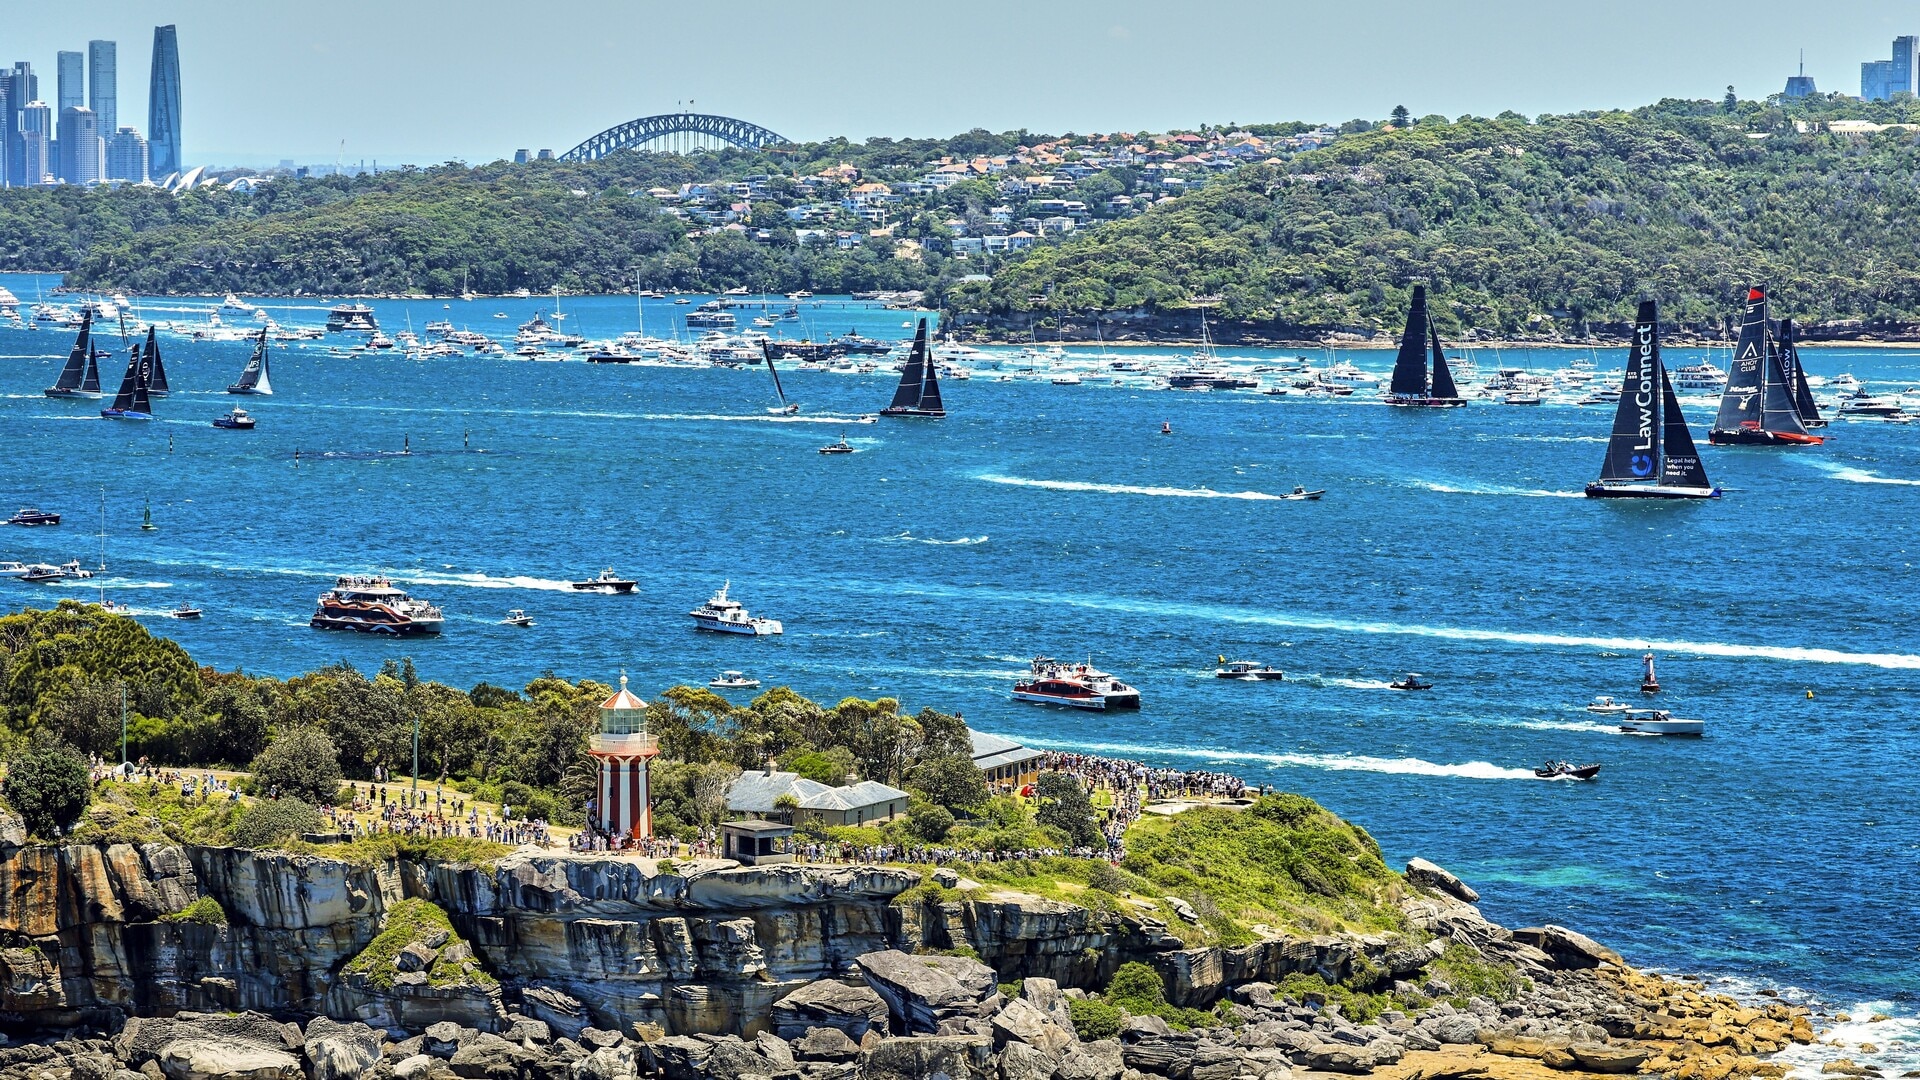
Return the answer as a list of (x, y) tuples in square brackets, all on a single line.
[(424, 83)]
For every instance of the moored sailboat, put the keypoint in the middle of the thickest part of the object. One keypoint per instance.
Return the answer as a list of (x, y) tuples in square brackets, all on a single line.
[(80, 378), (1758, 407), (919, 391), (1411, 385), (131, 402), (253, 378), (1651, 453)]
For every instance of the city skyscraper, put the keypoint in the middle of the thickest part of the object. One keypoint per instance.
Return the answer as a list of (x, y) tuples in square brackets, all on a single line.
[(163, 104), (71, 72), (1880, 80), (103, 82), (22, 86), (82, 156), (36, 143), (126, 156)]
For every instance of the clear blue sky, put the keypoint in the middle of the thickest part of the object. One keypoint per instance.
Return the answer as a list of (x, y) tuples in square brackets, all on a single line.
[(402, 80)]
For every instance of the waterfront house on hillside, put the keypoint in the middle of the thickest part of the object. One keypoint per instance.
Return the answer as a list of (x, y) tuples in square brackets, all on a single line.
[(1007, 764)]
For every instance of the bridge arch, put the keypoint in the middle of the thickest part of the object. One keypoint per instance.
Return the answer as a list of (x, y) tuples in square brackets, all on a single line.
[(679, 131)]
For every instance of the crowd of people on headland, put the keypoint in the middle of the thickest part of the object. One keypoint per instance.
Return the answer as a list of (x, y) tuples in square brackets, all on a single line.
[(432, 815)]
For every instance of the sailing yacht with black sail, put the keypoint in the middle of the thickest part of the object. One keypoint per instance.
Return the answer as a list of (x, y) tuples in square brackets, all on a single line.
[(253, 378), (81, 377), (1803, 402), (131, 403), (1411, 386), (1651, 454), (786, 408), (919, 391), (156, 371), (1758, 407)]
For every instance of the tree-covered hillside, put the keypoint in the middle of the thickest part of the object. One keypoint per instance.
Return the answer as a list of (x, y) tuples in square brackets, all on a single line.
[(1518, 225)]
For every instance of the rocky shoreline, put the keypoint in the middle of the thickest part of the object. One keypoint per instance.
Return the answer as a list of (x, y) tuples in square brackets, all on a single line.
[(547, 967)]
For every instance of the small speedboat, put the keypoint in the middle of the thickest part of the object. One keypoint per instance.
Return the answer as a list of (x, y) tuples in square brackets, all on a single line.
[(841, 447), (734, 680), (30, 516), (1299, 493), (1564, 770), (516, 617), (1659, 722), (1248, 671), (1411, 682), (184, 611), (237, 420), (1522, 398), (1607, 705), (607, 582), (42, 572)]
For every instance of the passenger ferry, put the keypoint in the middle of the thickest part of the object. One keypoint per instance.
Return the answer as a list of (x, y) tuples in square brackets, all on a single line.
[(351, 317), (1077, 686), (373, 605)]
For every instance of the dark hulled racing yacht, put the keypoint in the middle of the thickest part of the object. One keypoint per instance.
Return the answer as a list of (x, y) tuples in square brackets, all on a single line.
[(1651, 453), (1758, 406), (1411, 386), (919, 391)]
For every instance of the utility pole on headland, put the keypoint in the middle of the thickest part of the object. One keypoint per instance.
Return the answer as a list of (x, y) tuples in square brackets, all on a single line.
[(415, 795)]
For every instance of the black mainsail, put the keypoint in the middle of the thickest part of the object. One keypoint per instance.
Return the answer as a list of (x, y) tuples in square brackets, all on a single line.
[(80, 364), (1411, 385), (1803, 402), (766, 351), (157, 383), (1757, 407), (1650, 453), (1410, 366), (131, 402), (919, 391), (253, 378)]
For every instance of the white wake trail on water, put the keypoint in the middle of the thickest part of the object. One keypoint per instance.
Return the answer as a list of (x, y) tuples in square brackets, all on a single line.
[(909, 538), (1497, 489), (1335, 680), (769, 419), (1855, 475), (1592, 726), (485, 581), (1126, 489), (1220, 613), (1469, 770)]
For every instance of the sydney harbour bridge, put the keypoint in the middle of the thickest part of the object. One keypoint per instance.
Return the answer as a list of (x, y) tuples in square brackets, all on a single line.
[(675, 132)]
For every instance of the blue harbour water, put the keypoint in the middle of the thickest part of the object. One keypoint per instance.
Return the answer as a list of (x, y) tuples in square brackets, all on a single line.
[(1056, 519)]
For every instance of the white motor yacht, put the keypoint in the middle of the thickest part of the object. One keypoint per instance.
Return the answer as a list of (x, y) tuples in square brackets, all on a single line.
[(1659, 722), (734, 680), (725, 616), (1607, 705)]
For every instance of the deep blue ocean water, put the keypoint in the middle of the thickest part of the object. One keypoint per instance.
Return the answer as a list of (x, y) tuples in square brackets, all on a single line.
[(1048, 519)]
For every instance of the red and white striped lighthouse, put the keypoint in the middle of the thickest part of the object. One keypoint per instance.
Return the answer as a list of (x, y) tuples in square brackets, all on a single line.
[(623, 806)]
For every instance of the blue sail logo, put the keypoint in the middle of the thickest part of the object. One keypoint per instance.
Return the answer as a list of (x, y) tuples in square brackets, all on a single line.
[(1642, 465)]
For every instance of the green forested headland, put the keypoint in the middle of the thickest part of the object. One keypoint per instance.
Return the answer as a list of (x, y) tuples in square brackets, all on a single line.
[(1518, 226), (1523, 227)]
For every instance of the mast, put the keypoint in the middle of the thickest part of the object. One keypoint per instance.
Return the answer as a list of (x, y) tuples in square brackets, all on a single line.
[(913, 375), (1410, 366), (141, 377), (1633, 450), (158, 387)]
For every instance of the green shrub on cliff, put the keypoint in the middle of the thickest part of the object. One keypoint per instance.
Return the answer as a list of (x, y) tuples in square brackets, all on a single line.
[(1462, 973), (47, 785), (420, 922), (1283, 862), (1140, 991), (205, 911), (266, 822), (1095, 1020)]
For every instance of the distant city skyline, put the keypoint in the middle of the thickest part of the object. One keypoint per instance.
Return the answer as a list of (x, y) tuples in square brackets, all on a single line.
[(412, 82)]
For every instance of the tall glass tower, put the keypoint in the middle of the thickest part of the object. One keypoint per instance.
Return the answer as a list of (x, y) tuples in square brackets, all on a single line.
[(163, 104), (71, 71), (103, 83)]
